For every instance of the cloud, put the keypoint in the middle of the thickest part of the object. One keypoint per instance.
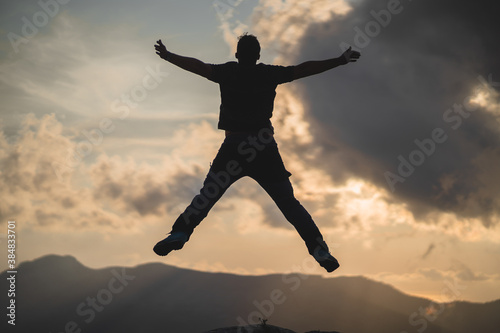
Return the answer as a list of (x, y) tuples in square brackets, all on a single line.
[(432, 274), (337, 157), (115, 194), (62, 84), (110, 193), (418, 73), (465, 273), (290, 21), (445, 285), (166, 157)]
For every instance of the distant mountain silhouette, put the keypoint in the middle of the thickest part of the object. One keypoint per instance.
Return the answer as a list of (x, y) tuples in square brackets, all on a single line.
[(58, 294)]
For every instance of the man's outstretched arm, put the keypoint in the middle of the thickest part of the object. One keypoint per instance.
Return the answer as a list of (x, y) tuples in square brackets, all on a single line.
[(309, 68), (190, 64)]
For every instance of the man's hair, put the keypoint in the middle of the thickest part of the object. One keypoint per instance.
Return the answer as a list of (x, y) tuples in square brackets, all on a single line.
[(248, 47)]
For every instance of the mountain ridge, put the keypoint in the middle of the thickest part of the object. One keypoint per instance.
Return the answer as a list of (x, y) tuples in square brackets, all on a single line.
[(68, 260), (56, 290)]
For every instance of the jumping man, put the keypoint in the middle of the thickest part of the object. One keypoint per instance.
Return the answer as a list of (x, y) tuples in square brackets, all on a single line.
[(249, 149)]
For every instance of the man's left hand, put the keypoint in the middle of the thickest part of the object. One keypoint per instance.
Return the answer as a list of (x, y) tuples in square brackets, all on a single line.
[(350, 56)]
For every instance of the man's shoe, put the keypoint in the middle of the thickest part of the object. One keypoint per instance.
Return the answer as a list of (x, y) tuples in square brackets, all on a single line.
[(175, 241), (326, 260)]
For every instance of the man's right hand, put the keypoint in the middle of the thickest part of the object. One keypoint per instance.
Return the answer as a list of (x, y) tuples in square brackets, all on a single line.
[(161, 50), (190, 64)]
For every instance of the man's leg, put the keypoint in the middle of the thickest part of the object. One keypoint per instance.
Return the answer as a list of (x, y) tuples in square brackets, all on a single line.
[(215, 185), (223, 172), (282, 194)]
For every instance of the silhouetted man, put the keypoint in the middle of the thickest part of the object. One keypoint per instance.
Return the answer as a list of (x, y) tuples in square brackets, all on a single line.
[(249, 149)]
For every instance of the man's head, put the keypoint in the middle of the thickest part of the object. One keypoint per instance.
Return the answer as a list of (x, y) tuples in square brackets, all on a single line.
[(248, 50)]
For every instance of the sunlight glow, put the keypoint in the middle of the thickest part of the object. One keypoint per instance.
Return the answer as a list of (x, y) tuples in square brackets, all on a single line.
[(487, 98)]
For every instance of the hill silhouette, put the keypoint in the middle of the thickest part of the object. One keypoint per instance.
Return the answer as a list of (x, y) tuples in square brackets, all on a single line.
[(258, 329), (251, 329), (56, 292)]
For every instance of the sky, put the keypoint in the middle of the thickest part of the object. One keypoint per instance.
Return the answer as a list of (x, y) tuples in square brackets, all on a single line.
[(103, 144)]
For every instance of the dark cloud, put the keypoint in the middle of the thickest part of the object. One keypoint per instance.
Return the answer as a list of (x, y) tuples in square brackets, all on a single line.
[(118, 194), (142, 191), (425, 62), (464, 273)]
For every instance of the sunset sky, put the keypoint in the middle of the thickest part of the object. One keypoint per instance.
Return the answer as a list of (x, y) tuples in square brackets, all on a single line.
[(103, 144)]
